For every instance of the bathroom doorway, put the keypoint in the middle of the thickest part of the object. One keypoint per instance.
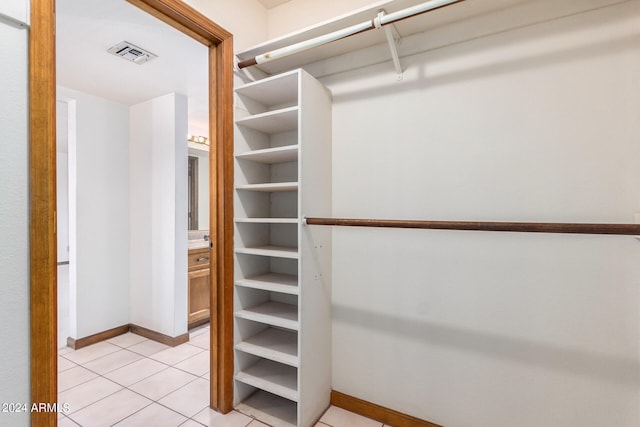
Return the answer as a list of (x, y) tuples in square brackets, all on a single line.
[(43, 259)]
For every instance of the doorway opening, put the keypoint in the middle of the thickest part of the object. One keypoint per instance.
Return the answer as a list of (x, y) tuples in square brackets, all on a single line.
[(43, 240)]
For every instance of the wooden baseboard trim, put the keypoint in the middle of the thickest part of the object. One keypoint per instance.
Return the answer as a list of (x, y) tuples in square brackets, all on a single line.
[(377, 412), (95, 338), (77, 344), (196, 323), (161, 338)]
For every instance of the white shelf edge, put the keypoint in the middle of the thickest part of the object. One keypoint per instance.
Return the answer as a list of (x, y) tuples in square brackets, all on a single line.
[(271, 155), (273, 377), (267, 114), (269, 187), (267, 220), (274, 251), (247, 87), (272, 313), (284, 283)]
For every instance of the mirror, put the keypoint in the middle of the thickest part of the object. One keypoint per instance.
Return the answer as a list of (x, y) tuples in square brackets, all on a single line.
[(198, 187)]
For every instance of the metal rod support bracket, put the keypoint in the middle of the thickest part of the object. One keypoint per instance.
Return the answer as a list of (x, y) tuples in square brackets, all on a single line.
[(391, 33)]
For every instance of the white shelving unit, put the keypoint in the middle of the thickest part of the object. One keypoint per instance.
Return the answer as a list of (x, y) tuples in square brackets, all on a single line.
[(282, 268)]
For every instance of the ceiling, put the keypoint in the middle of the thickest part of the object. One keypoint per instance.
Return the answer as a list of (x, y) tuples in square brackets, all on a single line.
[(85, 29), (270, 4)]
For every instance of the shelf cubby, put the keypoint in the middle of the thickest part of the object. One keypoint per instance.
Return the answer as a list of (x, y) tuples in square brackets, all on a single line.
[(270, 93), (272, 313), (276, 282), (267, 173), (262, 204), (274, 377), (274, 344), (271, 409), (272, 122)]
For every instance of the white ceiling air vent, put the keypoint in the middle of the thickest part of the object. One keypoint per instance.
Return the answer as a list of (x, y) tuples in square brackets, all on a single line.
[(131, 52)]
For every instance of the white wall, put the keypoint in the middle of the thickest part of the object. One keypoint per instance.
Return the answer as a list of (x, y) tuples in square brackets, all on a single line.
[(16, 10), (62, 181), (245, 19), (298, 14), (62, 221), (493, 329), (158, 183), (101, 212), (14, 211)]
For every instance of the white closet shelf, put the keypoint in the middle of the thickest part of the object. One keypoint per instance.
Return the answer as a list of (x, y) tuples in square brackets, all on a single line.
[(272, 122), (269, 187), (275, 90), (272, 313), (283, 142), (273, 344), (274, 251), (270, 408), (267, 220), (276, 282), (287, 153), (276, 378)]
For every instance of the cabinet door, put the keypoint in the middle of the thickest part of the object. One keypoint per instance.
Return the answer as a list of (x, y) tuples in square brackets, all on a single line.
[(198, 296)]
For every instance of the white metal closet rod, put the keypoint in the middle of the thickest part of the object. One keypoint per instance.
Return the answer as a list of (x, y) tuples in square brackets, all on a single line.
[(376, 22)]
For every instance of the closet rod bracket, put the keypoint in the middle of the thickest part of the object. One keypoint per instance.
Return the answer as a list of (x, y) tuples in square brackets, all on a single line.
[(392, 39)]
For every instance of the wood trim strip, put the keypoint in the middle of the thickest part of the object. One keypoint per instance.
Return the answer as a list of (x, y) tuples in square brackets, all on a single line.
[(95, 338), (42, 222), (523, 227), (225, 224), (186, 19), (214, 234), (159, 337), (377, 412)]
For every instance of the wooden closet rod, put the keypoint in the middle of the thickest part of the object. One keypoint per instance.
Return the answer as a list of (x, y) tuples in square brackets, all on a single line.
[(523, 227), (377, 22)]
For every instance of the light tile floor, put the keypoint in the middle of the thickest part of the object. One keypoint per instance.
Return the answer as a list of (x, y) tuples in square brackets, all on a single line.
[(130, 381)]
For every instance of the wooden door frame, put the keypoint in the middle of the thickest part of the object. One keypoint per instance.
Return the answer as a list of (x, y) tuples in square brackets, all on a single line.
[(42, 187)]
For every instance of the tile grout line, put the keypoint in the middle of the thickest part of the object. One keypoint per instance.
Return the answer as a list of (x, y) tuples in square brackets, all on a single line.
[(123, 387), (86, 406), (130, 363), (152, 401), (131, 414)]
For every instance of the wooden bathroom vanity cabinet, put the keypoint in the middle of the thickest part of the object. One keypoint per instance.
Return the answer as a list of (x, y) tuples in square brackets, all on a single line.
[(198, 286)]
